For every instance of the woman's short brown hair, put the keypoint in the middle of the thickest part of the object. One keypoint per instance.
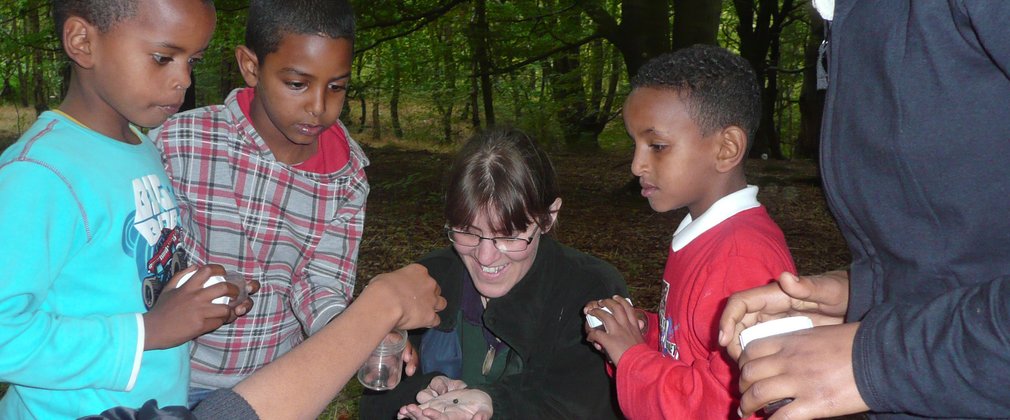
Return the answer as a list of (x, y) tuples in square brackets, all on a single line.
[(502, 173)]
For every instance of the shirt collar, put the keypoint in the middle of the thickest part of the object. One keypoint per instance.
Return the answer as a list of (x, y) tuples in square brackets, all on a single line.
[(826, 8), (721, 210)]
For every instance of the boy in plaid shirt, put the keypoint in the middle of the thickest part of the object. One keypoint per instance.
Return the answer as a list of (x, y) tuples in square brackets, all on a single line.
[(270, 185)]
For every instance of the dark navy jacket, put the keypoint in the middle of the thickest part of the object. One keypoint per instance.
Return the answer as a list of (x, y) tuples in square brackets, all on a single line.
[(916, 165)]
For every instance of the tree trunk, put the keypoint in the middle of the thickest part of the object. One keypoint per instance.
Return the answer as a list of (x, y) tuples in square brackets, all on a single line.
[(615, 77), (644, 31), (362, 88), (447, 125), (754, 48), (760, 28), (596, 64), (22, 77), (376, 92), (394, 113), (517, 98), (363, 119), (770, 95), (446, 73), (811, 99), (376, 126), (394, 99), (569, 93), (695, 22), (474, 104), (479, 35), (39, 95)]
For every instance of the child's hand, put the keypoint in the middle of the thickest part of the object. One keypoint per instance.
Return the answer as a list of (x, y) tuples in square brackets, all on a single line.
[(823, 298), (243, 307), (411, 292), (184, 313), (622, 327)]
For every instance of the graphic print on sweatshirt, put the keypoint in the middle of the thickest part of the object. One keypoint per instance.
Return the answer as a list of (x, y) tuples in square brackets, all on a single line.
[(667, 331), (151, 236)]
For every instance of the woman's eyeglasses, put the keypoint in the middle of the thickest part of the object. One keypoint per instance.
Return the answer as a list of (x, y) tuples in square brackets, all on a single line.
[(503, 244)]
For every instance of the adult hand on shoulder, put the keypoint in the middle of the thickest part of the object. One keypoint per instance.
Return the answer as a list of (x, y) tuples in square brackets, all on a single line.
[(813, 366), (823, 298), (412, 292), (460, 404), (622, 327), (184, 313)]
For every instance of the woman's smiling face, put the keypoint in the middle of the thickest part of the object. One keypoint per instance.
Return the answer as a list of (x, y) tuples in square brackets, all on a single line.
[(493, 271)]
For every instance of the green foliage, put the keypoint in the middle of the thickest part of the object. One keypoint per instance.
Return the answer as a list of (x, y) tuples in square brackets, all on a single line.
[(548, 66), (789, 68), (217, 74), (29, 53)]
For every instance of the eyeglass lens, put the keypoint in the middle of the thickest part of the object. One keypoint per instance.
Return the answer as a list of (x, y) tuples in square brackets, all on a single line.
[(504, 244)]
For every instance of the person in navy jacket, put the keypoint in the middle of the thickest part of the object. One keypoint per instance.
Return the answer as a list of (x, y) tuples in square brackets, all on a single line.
[(915, 158)]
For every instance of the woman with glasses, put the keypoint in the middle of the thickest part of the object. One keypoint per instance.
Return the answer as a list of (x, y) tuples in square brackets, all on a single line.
[(511, 342)]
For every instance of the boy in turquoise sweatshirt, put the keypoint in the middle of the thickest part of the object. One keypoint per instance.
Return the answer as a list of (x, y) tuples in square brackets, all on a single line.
[(90, 222)]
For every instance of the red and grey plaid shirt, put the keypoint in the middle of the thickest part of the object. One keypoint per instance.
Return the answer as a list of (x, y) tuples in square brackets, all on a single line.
[(296, 232)]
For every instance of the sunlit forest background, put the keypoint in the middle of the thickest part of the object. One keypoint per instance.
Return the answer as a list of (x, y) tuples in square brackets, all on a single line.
[(429, 72)]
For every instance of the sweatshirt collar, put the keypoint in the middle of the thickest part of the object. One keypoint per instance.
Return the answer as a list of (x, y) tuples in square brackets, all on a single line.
[(721, 210)]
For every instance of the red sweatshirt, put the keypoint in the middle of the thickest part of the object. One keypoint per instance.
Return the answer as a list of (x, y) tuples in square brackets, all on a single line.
[(681, 371)]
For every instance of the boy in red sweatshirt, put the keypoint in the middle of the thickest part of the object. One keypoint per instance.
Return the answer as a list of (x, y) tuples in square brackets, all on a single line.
[(692, 114)]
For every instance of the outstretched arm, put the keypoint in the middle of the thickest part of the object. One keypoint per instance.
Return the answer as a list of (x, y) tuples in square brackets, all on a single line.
[(302, 382)]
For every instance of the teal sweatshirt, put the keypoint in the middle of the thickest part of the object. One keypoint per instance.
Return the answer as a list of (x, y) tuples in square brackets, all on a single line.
[(87, 237)]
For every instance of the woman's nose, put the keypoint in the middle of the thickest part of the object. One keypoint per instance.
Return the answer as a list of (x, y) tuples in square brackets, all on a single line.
[(486, 251)]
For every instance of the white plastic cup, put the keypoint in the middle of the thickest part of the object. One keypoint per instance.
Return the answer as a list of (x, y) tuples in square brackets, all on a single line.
[(595, 322), (384, 366), (234, 278), (768, 329), (239, 281)]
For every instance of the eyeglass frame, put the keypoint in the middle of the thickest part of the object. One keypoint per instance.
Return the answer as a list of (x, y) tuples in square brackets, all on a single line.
[(449, 231)]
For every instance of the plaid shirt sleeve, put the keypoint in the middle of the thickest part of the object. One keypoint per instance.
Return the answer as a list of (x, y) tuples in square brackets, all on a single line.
[(327, 284)]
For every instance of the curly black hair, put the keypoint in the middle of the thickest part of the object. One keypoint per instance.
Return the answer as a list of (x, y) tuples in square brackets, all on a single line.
[(104, 14), (719, 87), (270, 20)]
